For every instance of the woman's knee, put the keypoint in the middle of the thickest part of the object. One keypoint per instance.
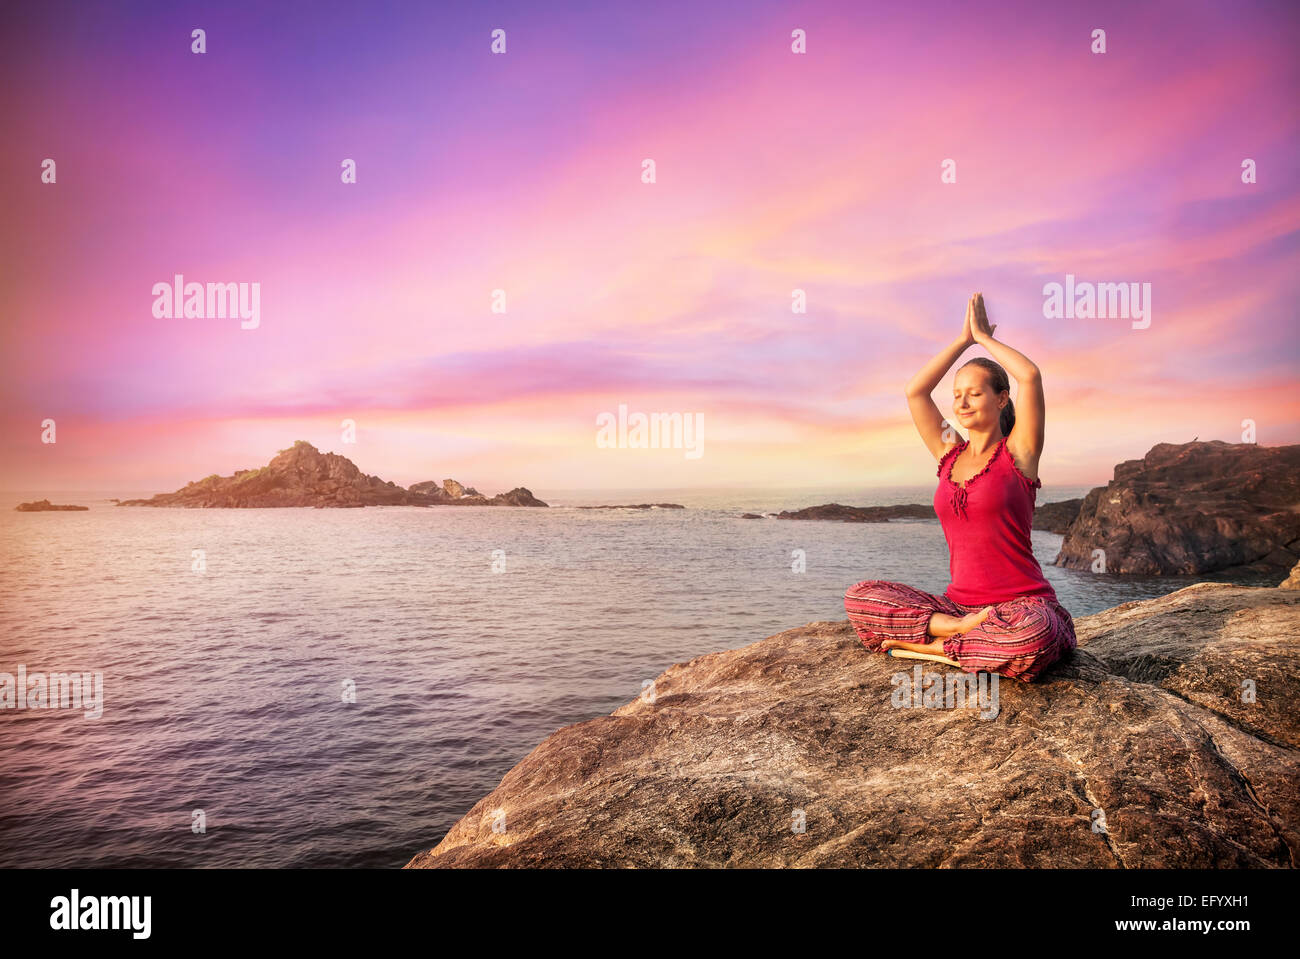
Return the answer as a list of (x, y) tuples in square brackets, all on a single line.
[(867, 589), (865, 584)]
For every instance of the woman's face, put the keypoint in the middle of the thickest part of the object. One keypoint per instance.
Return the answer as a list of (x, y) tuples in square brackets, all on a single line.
[(974, 404)]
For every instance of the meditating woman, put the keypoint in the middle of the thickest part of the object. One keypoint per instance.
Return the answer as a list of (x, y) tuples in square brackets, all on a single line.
[(998, 614)]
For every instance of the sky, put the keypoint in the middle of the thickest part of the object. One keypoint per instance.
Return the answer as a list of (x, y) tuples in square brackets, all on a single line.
[(523, 171)]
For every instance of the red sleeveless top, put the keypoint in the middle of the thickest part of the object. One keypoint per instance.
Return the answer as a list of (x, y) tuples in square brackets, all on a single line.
[(987, 521)]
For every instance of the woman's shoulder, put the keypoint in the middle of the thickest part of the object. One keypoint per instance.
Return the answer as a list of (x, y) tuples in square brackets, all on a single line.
[(947, 453)]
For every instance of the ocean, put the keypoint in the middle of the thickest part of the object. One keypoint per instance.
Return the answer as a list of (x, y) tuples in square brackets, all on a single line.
[(467, 635)]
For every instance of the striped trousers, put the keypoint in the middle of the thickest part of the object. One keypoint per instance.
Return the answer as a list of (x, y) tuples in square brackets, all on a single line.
[(1020, 638)]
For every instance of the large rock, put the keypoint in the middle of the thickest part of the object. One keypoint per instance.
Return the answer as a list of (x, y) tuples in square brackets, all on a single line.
[(304, 476), (1145, 722), (1192, 508), (429, 488)]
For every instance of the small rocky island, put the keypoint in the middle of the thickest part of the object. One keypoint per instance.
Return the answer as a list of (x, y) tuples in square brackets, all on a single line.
[(639, 506), (1168, 739), (43, 506), (859, 514), (304, 476), (1052, 517)]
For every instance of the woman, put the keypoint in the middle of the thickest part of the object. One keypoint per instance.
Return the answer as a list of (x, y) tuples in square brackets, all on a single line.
[(998, 614)]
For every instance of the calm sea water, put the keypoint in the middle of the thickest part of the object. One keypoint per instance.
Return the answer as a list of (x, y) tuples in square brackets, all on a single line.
[(223, 689)]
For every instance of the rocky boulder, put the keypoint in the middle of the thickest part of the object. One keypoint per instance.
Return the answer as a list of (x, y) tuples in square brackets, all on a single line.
[(1192, 508), (430, 488), (1168, 739)]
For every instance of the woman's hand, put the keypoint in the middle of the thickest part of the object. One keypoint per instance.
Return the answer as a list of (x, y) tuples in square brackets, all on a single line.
[(979, 323), (967, 326)]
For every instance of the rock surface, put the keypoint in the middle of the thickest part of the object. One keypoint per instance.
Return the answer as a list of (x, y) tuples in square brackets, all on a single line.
[(304, 476), (1193, 508), (1146, 722), (44, 506)]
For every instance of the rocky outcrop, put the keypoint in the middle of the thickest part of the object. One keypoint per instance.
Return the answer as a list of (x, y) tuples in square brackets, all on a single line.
[(639, 506), (1168, 739), (519, 496), (861, 514), (449, 491), (44, 506), (1057, 517), (1192, 508), (304, 476), (1053, 517)]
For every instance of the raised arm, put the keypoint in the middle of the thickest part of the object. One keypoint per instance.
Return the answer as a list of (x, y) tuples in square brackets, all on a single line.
[(937, 434), (1026, 440)]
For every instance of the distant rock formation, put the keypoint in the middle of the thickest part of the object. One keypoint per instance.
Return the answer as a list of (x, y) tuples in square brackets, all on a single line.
[(516, 497), (1057, 517), (639, 506), (1053, 517), (1192, 508), (454, 494), (1168, 739), (861, 514), (44, 506), (303, 476)]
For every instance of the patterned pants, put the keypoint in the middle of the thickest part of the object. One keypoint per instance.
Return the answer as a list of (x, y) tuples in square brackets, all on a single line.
[(1020, 638)]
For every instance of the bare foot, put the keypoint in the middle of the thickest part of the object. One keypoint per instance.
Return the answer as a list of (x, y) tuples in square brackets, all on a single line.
[(935, 646), (971, 620)]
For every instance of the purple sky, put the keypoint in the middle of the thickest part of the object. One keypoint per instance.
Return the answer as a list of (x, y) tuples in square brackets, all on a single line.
[(775, 171)]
